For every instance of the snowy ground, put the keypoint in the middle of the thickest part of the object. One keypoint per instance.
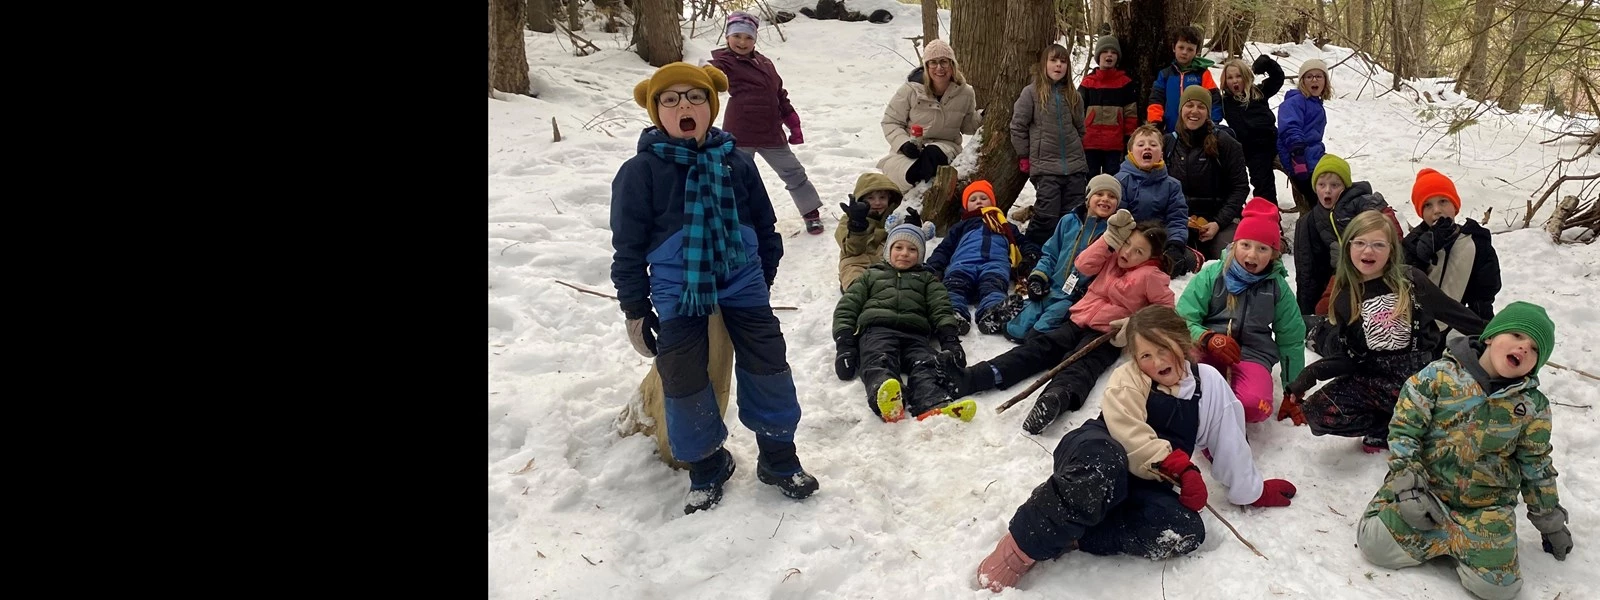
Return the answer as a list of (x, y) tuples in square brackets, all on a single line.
[(909, 509)]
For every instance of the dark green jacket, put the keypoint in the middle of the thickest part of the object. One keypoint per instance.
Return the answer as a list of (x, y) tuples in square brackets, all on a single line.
[(912, 301)]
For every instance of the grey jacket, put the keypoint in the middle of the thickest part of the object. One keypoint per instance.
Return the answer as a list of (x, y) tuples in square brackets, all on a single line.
[(1050, 133)]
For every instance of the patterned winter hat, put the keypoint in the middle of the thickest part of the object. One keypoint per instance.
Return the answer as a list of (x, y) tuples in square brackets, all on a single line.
[(1260, 224), (1430, 184), (742, 22), (1529, 319), (938, 49), (900, 230), (708, 78), (1104, 43)]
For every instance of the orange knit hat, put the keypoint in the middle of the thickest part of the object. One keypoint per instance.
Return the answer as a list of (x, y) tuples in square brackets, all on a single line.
[(1431, 183), (980, 185)]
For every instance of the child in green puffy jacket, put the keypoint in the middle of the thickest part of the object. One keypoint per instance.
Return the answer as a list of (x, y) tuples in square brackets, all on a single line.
[(882, 327)]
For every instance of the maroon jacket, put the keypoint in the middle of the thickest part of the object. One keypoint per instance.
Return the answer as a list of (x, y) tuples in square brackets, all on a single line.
[(757, 101)]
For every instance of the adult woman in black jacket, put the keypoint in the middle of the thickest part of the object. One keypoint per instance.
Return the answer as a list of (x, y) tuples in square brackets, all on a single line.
[(1210, 164)]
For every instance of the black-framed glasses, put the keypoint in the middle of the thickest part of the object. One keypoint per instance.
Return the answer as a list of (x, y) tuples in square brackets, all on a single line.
[(669, 98)]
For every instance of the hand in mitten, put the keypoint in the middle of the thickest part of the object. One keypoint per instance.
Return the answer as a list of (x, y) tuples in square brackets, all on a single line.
[(857, 210), (643, 325), (1179, 257), (1222, 346), (1118, 228), (1297, 160), (913, 218), (1038, 285), (1290, 409), (793, 121), (847, 359), (1553, 532), (1191, 486), (1421, 247), (1023, 165), (1260, 66), (1444, 233), (1275, 492), (950, 345), (910, 150), (1418, 507)]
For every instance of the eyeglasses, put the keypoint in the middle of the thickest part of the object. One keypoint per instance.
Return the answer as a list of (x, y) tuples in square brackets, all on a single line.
[(943, 63), (669, 98), (1313, 76), (1362, 245)]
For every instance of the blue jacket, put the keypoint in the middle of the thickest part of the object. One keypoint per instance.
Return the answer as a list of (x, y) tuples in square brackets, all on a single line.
[(1070, 238), (1167, 90), (647, 229), (969, 242), (1301, 121), (1154, 195)]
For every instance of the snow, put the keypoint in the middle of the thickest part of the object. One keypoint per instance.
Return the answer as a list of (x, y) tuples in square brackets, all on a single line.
[(910, 508)]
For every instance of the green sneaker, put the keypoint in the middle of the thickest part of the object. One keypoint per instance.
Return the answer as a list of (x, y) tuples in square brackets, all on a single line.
[(962, 409), (890, 405)]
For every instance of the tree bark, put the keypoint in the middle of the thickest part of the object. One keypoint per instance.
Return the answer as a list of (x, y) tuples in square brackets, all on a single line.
[(1511, 97), (540, 16), (1474, 76), (1366, 26), (977, 36), (659, 40), (1028, 27), (930, 21), (1397, 33), (510, 72), (574, 9), (1141, 25), (1421, 58)]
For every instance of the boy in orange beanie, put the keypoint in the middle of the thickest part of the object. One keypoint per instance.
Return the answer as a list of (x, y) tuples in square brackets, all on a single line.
[(1458, 258), (976, 258)]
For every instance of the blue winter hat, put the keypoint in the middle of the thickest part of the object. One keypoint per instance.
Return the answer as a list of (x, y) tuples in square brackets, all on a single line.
[(900, 230), (742, 22)]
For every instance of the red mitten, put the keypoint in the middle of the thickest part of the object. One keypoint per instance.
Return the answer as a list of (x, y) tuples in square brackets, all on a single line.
[(1222, 346), (1290, 409), (1275, 492), (1191, 486), (1023, 164)]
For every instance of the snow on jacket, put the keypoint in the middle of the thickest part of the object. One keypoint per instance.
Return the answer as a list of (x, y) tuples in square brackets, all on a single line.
[(1167, 92), (1155, 195), (1117, 292), (1477, 450), (647, 228), (970, 242), (1112, 113), (1049, 134), (1252, 120), (1214, 188), (1072, 236), (1221, 427), (1264, 319), (1467, 269), (944, 120), (757, 102), (1300, 122), (860, 249), (912, 301)]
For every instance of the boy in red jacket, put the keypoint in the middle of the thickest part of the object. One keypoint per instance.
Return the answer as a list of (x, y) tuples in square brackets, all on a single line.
[(1112, 99)]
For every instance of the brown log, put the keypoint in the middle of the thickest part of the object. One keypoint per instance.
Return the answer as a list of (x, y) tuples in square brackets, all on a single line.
[(1558, 221)]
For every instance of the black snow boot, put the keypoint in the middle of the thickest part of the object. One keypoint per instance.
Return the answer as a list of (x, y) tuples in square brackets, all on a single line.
[(779, 466), (1049, 406), (705, 481)]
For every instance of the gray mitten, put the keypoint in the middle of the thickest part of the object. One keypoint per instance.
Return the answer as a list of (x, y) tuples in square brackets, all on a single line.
[(1553, 531), (1118, 228), (1420, 509)]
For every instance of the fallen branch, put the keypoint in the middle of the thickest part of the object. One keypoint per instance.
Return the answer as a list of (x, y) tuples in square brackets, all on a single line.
[(1052, 372), (1558, 220), (780, 524), (579, 41), (1534, 207), (1578, 371), (1219, 517), (605, 295), (1571, 405)]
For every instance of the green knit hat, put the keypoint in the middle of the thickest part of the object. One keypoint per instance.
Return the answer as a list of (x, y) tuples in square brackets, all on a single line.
[(1195, 92), (1332, 164), (1531, 320)]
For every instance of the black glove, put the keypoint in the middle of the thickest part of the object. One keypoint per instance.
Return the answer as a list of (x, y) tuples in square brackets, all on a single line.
[(913, 218), (1179, 257), (847, 360), (1553, 532), (1300, 384), (1444, 233), (643, 325), (857, 210), (910, 150), (950, 345), (1038, 285), (1260, 65), (1419, 246), (1298, 149)]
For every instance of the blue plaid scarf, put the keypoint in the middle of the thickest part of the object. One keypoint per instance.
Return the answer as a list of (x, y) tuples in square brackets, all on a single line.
[(712, 244), (1237, 278)]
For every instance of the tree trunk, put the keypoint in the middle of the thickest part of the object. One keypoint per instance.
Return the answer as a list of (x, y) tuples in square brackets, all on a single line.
[(1511, 97), (659, 40), (491, 49), (1475, 75), (510, 73), (1027, 27), (1398, 35), (539, 16), (977, 37), (1141, 25), (930, 21), (1233, 27), (1322, 27), (1421, 58), (1366, 27), (574, 9)]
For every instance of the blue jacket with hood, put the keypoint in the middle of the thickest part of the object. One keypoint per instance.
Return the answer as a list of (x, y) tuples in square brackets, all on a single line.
[(1155, 195)]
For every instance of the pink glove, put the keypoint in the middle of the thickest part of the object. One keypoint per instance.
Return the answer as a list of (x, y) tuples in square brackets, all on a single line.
[(793, 121), (1022, 164), (1004, 566)]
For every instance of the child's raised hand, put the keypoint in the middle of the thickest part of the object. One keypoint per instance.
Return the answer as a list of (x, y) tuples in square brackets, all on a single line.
[(1118, 228)]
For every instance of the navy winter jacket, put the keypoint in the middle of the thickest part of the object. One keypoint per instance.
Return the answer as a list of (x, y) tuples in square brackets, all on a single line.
[(1154, 195)]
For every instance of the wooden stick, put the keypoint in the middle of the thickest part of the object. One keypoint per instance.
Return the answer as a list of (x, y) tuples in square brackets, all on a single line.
[(1218, 515), (604, 295), (1052, 373), (1578, 371)]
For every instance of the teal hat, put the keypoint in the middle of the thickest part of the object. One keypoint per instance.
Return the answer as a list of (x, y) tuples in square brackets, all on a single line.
[(1531, 320)]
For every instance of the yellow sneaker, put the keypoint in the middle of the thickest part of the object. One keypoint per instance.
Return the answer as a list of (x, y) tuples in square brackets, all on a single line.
[(890, 405), (962, 409)]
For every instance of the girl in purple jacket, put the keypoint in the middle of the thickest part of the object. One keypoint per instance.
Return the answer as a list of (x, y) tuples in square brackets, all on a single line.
[(758, 107)]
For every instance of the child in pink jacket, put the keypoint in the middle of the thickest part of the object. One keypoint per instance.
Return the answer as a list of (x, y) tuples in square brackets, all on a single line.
[(1129, 274)]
